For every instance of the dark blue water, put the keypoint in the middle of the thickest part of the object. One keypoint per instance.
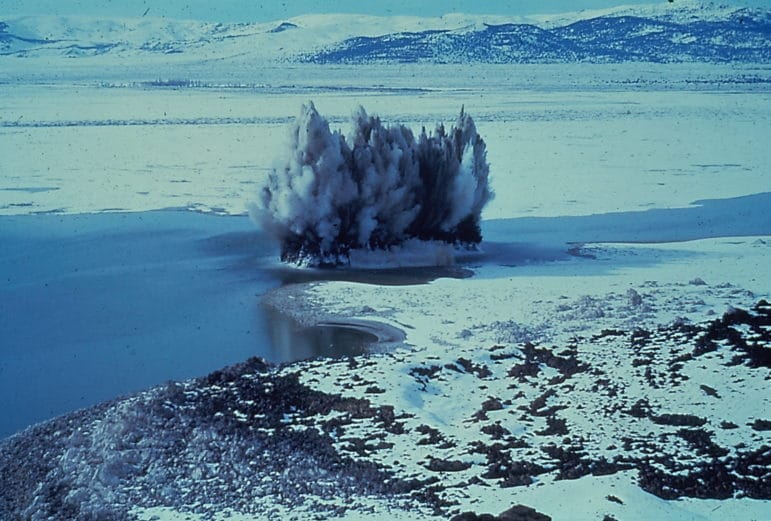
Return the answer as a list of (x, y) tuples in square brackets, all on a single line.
[(97, 306)]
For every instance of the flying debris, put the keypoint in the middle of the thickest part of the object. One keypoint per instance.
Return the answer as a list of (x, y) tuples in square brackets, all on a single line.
[(376, 190)]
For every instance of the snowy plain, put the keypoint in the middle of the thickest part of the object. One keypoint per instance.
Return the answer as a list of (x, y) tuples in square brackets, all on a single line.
[(627, 196)]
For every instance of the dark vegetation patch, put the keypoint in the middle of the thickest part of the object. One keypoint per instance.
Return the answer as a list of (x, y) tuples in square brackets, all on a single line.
[(212, 441), (491, 404), (443, 465), (761, 425), (480, 370), (495, 431), (555, 427), (701, 441), (433, 437), (753, 350), (515, 513), (709, 391), (209, 443), (567, 363), (679, 420)]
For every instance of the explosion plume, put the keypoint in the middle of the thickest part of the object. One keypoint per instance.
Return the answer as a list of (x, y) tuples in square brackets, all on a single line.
[(376, 190)]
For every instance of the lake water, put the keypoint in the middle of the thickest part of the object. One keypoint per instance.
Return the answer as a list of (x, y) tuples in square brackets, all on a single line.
[(93, 306)]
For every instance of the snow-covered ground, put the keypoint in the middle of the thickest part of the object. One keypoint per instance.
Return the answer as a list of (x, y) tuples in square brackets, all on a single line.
[(572, 372), (468, 382)]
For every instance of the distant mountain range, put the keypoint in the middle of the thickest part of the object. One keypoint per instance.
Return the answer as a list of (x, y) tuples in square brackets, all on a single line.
[(745, 37), (663, 32)]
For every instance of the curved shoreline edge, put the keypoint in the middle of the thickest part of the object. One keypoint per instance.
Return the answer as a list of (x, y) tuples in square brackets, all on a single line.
[(293, 301), (385, 333)]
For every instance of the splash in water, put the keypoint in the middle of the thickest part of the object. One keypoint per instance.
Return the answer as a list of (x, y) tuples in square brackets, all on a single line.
[(381, 189)]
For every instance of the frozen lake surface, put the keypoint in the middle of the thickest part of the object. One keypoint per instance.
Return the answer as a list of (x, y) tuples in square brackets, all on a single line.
[(561, 140)]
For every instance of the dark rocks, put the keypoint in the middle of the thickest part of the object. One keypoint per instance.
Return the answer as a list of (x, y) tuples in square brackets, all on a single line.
[(229, 374), (225, 433), (538, 405), (640, 409), (746, 473), (424, 374), (491, 404), (502, 356), (701, 441), (566, 363), (442, 465), (433, 437), (753, 470), (522, 513), (216, 438), (511, 473), (679, 420), (471, 516), (500, 464), (495, 431), (523, 371), (640, 338), (364, 447), (480, 370), (608, 333), (555, 427), (572, 462), (515, 513), (709, 391), (707, 481), (755, 352), (761, 425)]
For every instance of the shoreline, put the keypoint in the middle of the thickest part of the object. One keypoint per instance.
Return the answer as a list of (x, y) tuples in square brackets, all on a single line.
[(294, 302), (562, 392)]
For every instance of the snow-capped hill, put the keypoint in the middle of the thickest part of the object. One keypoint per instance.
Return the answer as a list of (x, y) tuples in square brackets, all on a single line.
[(626, 34), (681, 11), (78, 36), (83, 36), (662, 32), (628, 38)]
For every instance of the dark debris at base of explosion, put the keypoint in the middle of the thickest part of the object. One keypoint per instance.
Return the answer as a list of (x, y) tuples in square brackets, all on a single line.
[(374, 190)]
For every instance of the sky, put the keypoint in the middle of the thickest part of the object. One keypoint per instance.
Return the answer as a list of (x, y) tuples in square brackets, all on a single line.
[(269, 10)]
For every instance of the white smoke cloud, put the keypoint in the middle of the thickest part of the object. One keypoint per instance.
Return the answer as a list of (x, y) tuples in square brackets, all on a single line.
[(380, 188)]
